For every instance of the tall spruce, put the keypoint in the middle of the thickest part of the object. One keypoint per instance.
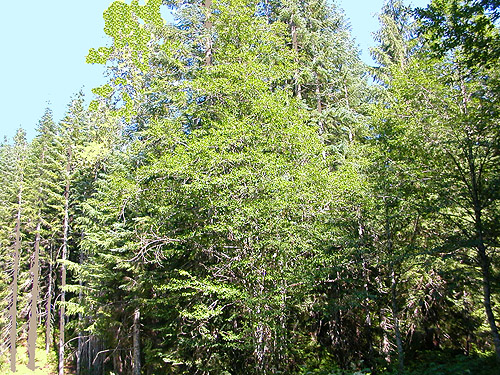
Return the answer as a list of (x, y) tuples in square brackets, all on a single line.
[(13, 162), (43, 195), (71, 132)]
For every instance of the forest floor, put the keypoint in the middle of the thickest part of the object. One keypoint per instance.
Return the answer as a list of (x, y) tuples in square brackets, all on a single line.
[(45, 364), (427, 363)]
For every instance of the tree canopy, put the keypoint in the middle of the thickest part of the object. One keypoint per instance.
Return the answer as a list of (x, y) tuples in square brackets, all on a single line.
[(245, 196)]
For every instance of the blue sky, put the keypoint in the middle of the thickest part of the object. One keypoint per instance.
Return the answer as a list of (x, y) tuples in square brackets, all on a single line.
[(362, 16), (44, 44)]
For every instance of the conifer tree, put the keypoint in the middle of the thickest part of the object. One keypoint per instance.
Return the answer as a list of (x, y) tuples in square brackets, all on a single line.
[(13, 160), (394, 40), (330, 76), (71, 135), (43, 196), (6, 165), (398, 217)]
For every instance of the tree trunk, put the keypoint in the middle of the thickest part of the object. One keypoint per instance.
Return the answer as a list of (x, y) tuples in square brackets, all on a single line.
[(368, 320), (295, 47), (484, 260), (261, 331), (33, 319), (207, 4), (137, 342), (48, 309), (385, 344), (394, 305), (346, 96), (14, 288), (79, 352), (319, 106), (64, 257), (397, 332), (485, 270)]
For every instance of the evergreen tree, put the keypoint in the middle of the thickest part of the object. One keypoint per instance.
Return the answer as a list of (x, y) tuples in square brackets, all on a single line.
[(44, 203), (330, 76), (71, 138), (13, 171), (395, 40)]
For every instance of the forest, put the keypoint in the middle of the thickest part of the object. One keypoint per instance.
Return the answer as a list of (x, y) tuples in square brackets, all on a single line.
[(246, 196)]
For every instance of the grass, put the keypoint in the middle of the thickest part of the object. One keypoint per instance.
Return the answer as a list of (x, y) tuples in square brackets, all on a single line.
[(45, 364)]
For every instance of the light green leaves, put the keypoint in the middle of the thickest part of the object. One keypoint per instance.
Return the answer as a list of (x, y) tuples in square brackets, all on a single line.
[(130, 27)]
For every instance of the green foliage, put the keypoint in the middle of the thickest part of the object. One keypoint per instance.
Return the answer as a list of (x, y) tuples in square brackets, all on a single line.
[(465, 26), (122, 24), (395, 39), (46, 364), (448, 363), (239, 200)]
